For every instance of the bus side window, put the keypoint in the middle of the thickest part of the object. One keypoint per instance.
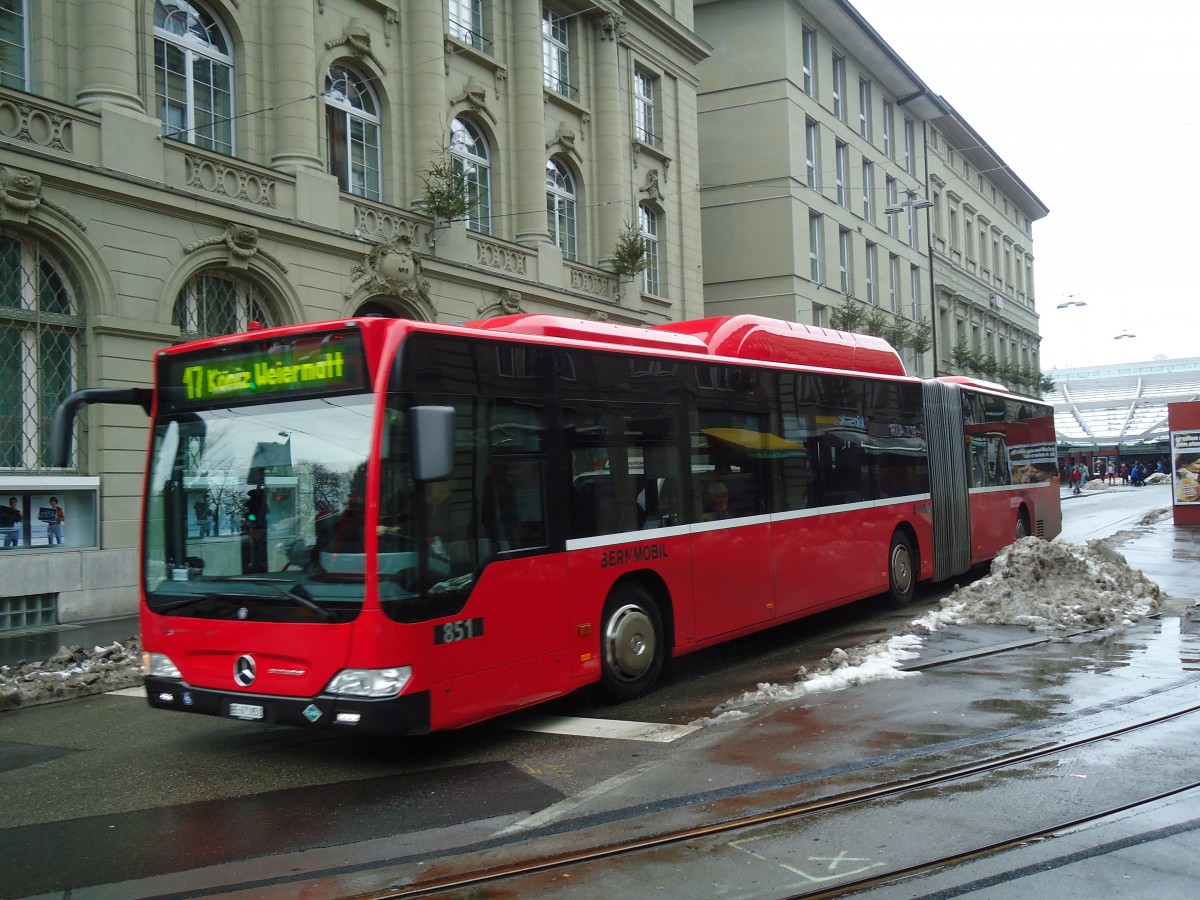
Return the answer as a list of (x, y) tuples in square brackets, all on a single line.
[(521, 504)]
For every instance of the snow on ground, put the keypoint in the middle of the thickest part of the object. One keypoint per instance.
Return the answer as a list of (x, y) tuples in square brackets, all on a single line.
[(72, 672), (1033, 583)]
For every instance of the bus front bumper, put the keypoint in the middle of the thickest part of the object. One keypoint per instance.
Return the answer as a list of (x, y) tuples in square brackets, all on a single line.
[(405, 714)]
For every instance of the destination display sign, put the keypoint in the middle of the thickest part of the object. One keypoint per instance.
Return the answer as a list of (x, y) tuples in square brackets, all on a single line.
[(258, 370)]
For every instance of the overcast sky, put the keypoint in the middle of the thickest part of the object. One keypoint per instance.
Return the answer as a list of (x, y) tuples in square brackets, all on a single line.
[(1094, 106)]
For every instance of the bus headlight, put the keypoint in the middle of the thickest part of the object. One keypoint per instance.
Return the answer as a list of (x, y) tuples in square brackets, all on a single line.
[(371, 682), (159, 665)]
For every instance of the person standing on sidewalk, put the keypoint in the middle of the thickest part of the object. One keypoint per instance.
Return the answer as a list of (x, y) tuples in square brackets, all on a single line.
[(1075, 480)]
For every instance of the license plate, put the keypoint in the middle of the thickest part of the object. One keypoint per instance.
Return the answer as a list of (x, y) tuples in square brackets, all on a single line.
[(245, 711)]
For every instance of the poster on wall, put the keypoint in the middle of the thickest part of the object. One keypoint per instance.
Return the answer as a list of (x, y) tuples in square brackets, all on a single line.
[(1185, 470), (1033, 463)]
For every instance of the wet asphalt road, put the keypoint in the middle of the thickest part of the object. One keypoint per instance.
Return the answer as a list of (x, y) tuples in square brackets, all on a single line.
[(106, 792)]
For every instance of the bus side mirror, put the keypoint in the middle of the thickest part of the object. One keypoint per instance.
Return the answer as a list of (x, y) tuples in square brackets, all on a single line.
[(433, 442)]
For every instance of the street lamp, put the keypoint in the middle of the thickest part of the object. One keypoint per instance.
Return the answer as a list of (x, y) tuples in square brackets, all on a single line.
[(911, 201)]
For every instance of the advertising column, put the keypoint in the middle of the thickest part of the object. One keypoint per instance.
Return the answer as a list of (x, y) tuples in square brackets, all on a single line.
[(1184, 419)]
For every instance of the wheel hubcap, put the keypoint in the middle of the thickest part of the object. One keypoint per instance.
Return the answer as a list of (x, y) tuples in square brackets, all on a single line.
[(629, 643), (901, 569)]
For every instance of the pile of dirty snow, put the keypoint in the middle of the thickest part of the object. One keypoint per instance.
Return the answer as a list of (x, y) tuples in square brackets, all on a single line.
[(1043, 584), (72, 672), (1033, 583)]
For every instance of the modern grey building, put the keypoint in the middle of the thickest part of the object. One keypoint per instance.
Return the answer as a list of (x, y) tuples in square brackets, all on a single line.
[(830, 170)]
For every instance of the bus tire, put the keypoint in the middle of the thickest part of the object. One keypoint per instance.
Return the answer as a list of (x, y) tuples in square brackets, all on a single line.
[(1022, 529), (631, 643), (902, 573)]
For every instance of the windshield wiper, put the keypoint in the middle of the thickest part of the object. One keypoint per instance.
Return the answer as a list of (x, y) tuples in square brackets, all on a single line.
[(180, 604), (304, 598)]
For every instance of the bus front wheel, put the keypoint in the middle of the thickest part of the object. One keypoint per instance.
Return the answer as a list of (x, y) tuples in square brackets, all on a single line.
[(902, 575), (631, 643)]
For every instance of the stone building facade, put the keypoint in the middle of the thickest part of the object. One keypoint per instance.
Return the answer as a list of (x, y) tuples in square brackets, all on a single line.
[(832, 174), (172, 169)]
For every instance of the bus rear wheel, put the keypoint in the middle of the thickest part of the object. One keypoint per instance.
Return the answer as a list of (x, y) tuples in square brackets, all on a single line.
[(902, 576), (1022, 524), (631, 644)]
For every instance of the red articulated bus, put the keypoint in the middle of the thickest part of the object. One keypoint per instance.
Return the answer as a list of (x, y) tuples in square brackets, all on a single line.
[(396, 527)]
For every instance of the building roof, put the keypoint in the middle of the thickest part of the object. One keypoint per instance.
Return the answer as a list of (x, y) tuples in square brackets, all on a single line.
[(1123, 404)]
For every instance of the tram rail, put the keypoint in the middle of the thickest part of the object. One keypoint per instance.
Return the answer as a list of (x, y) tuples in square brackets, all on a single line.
[(508, 874)]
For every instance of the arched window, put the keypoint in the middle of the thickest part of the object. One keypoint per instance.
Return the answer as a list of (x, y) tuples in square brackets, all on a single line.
[(193, 76), (352, 133), (469, 156), (648, 227), (212, 304), (561, 208), (40, 326)]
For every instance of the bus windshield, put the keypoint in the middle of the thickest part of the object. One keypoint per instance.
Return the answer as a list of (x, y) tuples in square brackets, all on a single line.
[(248, 507)]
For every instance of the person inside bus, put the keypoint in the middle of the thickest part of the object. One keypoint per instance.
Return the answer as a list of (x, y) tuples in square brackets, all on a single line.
[(716, 502)]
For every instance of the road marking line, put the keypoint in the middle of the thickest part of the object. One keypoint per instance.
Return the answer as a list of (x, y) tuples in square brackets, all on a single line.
[(567, 804), (139, 692), (604, 728)]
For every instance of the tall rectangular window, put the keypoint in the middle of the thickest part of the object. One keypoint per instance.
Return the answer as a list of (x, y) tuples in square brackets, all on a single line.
[(892, 199), (894, 282), (912, 225), (466, 22), (839, 87), (845, 272), (808, 42), (889, 129), (556, 53), (14, 41), (815, 227), (645, 127), (868, 190), (648, 221), (872, 260), (841, 171), (983, 245), (864, 109), (914, 276), (969, 235), (910, 146), (812, 153), (819, 316)]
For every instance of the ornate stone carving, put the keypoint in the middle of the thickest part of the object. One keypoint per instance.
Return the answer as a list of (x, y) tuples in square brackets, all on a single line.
[(475, 96), (230, 181), (357, 39), (21, 194), (651, 188), (392, 267), (564, 140), (242, 243), (380, 225), (36, 125), (598, 284), (496, 256), (507, 304), (597, 315), (613, 27)]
